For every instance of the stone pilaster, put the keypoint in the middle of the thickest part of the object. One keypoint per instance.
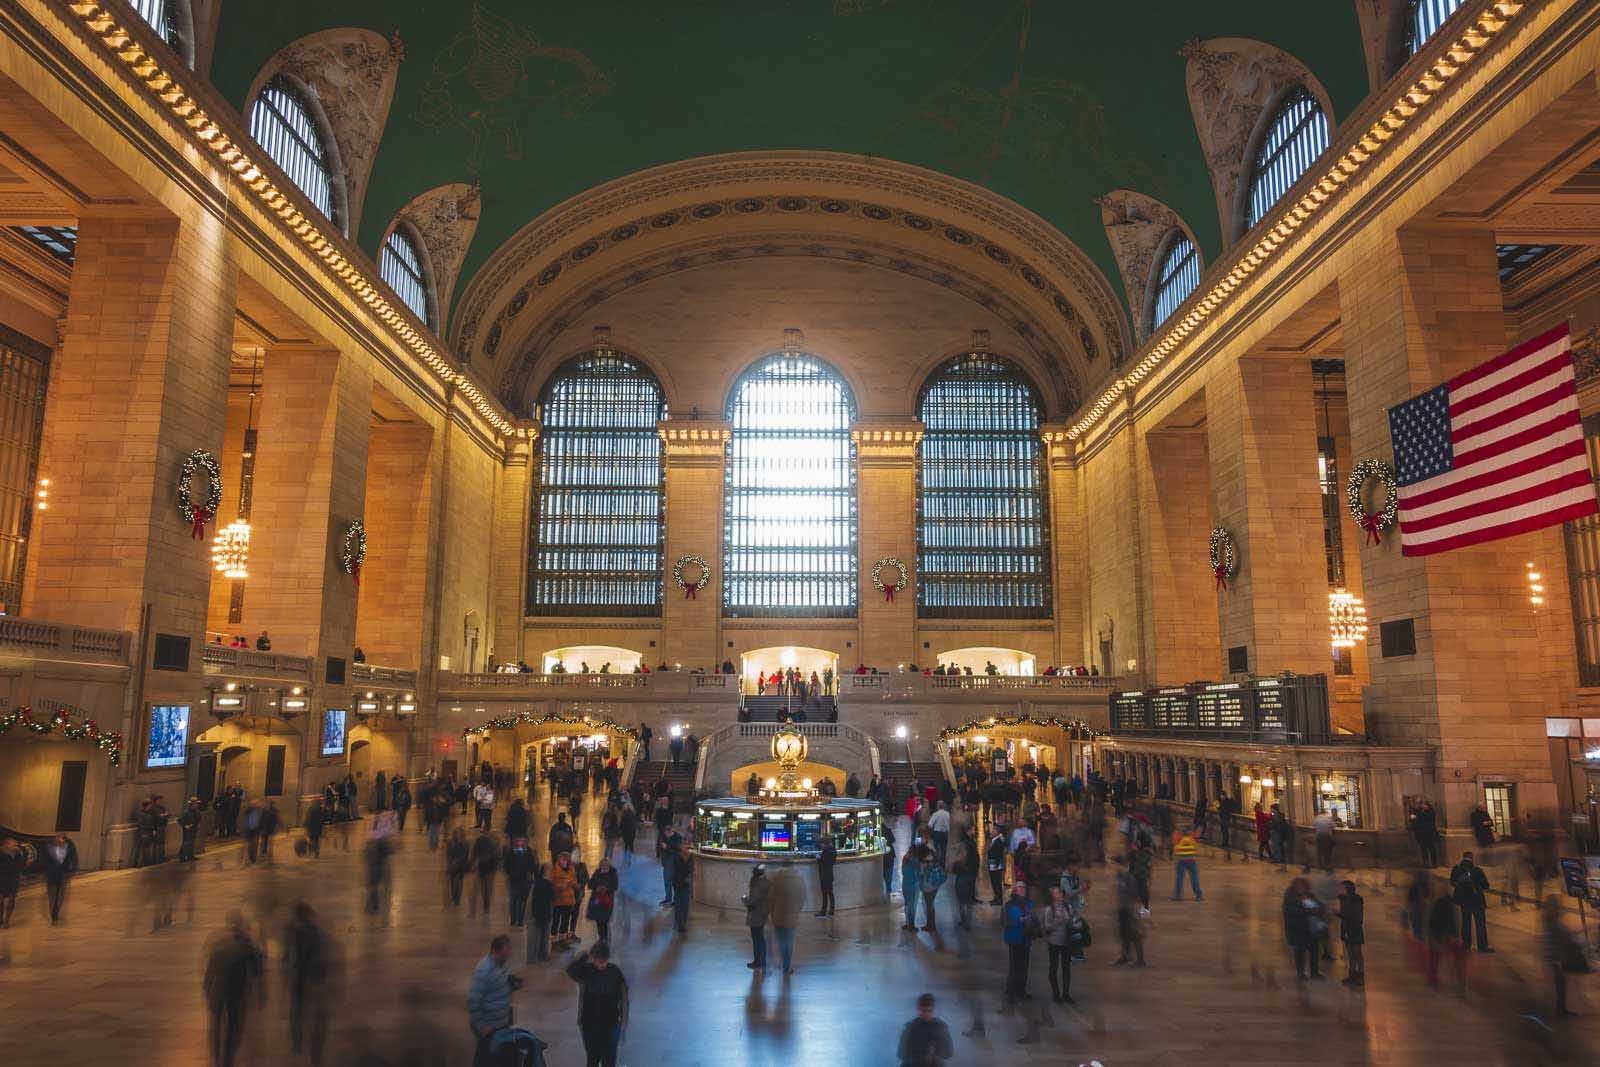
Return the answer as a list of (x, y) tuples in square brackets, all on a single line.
[(1181, 642), (513, 505), (310, 485), (1066, 545), (139, 381), (1417, 309), (695, 454), (1261, 438), (402, 463), (886, 487)]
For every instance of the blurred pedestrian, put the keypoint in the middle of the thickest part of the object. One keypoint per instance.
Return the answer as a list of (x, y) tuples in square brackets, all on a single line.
[(60, 860), (1130, 924), (602, 1004), (1016, 933), (564, 898), (1057, 921), (457, 862), (787, 896), (307, 959), (520, 865), (540, 902), (682, 886), (485, 861), (1470, 886), (1303, 926), (925, 1040), (1352, 931), (233, 972), (1561, 949), (603, 886)]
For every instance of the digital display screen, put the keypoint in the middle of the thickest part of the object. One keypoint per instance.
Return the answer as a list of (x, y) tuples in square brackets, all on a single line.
[(169, 736), (809, 834), (777, 835), (333, 732)]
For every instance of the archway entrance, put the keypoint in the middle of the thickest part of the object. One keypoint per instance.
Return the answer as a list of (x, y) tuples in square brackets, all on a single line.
[(761, 662), (591, 659), (1008, 661), (1007, 749), (550, 750)]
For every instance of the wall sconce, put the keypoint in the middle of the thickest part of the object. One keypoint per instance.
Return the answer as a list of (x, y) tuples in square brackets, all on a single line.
[(1244, 779), (1535, 586), (1267, 783)]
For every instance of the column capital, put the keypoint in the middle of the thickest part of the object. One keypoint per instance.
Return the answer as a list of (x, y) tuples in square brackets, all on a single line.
[(694, 442), (1060, 449), (887, 441)]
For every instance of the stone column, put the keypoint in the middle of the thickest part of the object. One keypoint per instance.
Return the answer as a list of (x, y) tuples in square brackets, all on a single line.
[(886, 489), (1419, 308), (402, 463), (140, 380), (310, 485), (513, 509), (1261, 429), (1066, 546), (695, 454)]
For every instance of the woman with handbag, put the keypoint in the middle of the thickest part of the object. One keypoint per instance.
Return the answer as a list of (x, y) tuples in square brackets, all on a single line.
[(1057, 921)]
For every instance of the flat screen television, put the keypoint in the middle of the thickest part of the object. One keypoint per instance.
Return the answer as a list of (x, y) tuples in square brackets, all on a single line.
[(333, 732), (776, 835), (169, 736)]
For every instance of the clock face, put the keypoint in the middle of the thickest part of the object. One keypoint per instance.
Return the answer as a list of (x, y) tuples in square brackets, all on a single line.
[(788, 748)]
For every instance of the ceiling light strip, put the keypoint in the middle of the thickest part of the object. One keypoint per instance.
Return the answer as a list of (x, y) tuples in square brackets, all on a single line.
[(1446, 68), (166, 90)]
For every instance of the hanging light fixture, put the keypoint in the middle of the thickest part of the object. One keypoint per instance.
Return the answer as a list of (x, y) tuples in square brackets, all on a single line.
[(1347, 618), (230, 550)]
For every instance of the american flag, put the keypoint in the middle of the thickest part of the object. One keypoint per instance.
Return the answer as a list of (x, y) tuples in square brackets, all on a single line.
[(1496, 451)]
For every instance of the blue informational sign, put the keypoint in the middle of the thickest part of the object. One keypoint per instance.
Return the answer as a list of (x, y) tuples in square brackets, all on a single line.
[(169, 736)]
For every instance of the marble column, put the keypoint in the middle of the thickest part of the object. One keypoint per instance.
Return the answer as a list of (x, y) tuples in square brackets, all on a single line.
[(886, 464), (695, 454)]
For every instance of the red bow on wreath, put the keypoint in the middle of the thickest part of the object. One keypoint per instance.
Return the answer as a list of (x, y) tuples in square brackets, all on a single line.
[(688, 590), (1373, 524), (1221, 571), (197, 515), (355, 571), (888, 592)]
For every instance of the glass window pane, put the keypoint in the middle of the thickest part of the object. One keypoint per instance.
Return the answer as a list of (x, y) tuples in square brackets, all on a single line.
[(789, 535), (983, 544), (1177, 278), (281, 123), (400, 264), (1426, 18), (1297, 135), (595, 536)]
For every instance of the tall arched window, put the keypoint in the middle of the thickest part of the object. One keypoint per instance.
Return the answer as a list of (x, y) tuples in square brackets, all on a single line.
[(595, 537), (789, 529), (983, 543), (1297, 135), (1423, 20), (1176, 277), (400, 264), (281, 122)]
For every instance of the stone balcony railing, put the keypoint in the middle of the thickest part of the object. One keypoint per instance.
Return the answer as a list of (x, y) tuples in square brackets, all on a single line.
[(979, 688), (247, 662), (370, 674), (59, 640), (659, 685)]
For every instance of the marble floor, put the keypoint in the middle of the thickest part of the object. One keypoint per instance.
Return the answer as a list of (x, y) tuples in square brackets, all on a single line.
[(104, 987)]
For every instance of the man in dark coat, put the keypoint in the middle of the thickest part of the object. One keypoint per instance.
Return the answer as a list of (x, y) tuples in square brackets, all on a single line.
[(189, 823), (602, 1003), (60, 860), (1470, 886)]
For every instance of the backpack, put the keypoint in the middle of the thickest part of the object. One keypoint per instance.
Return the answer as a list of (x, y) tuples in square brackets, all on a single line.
[(934, 876)]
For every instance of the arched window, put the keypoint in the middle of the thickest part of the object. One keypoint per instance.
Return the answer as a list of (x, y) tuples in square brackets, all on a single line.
[(595, 536), (983, 544), (1423, 20), (789, 530), (1176, 277), (1297, 135), (400, 264), (281, 122)]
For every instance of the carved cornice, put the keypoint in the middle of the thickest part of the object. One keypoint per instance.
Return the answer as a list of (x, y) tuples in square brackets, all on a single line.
[(886, 442), (1137, 228), (695, 442)]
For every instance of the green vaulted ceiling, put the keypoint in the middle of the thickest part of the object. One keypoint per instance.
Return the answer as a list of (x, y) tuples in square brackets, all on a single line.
[(1048, 102)]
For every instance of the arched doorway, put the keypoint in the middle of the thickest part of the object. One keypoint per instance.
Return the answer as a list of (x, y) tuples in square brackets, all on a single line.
[(1006, 661), (779, 658), (592, 659)]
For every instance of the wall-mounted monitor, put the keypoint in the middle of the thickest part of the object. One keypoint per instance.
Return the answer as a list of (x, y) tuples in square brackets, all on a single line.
[(169, 736), (333, 732)]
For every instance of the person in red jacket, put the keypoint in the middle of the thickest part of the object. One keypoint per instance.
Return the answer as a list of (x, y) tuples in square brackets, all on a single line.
[(1263, 824)]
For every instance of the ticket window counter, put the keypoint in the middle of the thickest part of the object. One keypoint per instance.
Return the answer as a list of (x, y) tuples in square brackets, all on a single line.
[(786, 831), (1340, 796)]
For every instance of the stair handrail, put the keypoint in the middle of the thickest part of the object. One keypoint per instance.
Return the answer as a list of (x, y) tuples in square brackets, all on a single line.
[(700, 764), (945, 764)]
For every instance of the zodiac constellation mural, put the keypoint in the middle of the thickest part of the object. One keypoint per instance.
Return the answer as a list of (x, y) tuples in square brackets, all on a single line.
[(489, 77)]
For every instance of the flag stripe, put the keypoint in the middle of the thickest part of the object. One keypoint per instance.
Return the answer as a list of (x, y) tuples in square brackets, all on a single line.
[(1581, 504), (1539, 383), (1462, 382), (1525, 490), (1531, 443), (1510, 479), (1512, 427)]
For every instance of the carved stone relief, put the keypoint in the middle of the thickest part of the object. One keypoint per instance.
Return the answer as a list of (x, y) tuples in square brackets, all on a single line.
[(1231, 82), (445, 218), (353, 73), (1137, 226)]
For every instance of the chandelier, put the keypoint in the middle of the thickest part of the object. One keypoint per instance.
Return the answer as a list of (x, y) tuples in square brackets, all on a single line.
[(230, 550), (1347, 618)]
